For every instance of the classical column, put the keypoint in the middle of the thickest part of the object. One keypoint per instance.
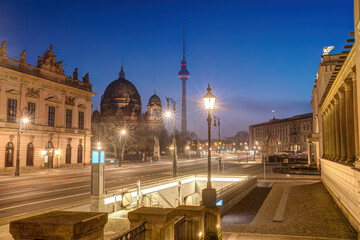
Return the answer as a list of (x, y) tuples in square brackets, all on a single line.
[(309, 153), (332, 130), (326, 130), (349, 113), (323, 135), (342, 124), (337, 128)]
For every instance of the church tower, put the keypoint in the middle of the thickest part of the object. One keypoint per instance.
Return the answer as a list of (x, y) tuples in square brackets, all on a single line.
[(183, 75)]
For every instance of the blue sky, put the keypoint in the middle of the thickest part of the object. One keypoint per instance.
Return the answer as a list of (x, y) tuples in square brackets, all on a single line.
[(257, 55)]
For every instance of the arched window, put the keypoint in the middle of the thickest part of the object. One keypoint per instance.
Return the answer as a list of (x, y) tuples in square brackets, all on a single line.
[(154, 112), (30, 155), (9, 154), (80, 154), (68, 154)]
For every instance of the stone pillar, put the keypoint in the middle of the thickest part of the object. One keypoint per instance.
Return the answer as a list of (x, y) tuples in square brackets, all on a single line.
[(337, 128), (342, 124), (349, 112), (159, 222), (60, 225), (332, 130), (323, 135), (328, 145), (3, 99), (309, 153)]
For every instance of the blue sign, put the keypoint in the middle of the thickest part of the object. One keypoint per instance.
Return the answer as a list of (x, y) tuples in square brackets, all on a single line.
[(95, 156), (102, 156), (219, 203)]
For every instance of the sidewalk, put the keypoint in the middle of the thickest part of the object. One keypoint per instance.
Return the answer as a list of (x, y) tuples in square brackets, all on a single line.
[(308, 213)]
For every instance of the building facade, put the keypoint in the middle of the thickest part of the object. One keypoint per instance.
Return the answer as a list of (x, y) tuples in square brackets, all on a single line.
[(281, 135), (336, 124), (58, 108)]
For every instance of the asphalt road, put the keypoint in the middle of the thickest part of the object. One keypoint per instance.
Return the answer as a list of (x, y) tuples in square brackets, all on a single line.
[(32, 193)]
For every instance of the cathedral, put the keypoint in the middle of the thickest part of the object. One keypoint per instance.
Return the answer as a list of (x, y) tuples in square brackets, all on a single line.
[(123, 131)]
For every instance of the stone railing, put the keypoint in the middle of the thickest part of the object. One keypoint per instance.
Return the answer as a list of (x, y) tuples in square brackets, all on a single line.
[(136, 233), (42, 73)]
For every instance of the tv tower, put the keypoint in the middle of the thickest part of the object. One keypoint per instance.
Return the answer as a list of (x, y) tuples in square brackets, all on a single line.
[(183, 75)]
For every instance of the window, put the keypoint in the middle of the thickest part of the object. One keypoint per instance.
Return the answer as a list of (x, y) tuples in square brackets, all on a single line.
[(9, 154), (51, 116), (31, 111), (11, 110), (81, 120), (80, 154), (68, 154), (68, 118), (30, 155)]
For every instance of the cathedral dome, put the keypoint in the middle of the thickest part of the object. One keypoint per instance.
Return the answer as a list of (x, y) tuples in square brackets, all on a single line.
[(121, 88), (154, 99), (121, 98)]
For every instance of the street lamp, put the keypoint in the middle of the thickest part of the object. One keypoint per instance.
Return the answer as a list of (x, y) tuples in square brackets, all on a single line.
[(122, 133), (209, 193), (23, 120), (215, 125), (168, 114)]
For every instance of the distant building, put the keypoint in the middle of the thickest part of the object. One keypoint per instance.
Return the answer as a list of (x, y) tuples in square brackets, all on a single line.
[(120, 108), (59, 109), (281, 135)]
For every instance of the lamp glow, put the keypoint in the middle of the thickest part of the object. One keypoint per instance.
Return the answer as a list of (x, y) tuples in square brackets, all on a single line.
[(168, 114), (25, 120), (209, 99)]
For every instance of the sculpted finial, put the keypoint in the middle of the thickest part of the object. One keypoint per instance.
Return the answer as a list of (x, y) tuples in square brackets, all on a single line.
[(3, 49), (22, 56), (75, 74), (86, 78)]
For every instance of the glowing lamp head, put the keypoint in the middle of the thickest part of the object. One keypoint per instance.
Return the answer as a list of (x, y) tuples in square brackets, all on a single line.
[(209, 99), (168, 114), (25, 120), (123, 132)]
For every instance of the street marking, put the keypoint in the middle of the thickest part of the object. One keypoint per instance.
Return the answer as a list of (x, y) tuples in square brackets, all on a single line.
[(44, 192), (279, 215), (48, 200)]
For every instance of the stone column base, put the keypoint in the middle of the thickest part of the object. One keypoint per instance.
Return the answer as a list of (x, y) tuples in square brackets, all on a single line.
[(209, 197)]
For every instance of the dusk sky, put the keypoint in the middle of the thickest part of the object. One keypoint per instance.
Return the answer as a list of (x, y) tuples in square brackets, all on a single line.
[(256, 55)]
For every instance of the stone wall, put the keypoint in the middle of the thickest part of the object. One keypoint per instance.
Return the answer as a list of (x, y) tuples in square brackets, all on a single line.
[(343, 182)]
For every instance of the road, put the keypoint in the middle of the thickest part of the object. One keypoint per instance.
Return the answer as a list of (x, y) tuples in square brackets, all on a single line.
[(20, 196)]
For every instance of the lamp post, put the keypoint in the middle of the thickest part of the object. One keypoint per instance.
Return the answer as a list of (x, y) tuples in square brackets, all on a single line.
[(23, 120), (168, 114), (215, 125), (247, 154), (122, 133), (209, 193)]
